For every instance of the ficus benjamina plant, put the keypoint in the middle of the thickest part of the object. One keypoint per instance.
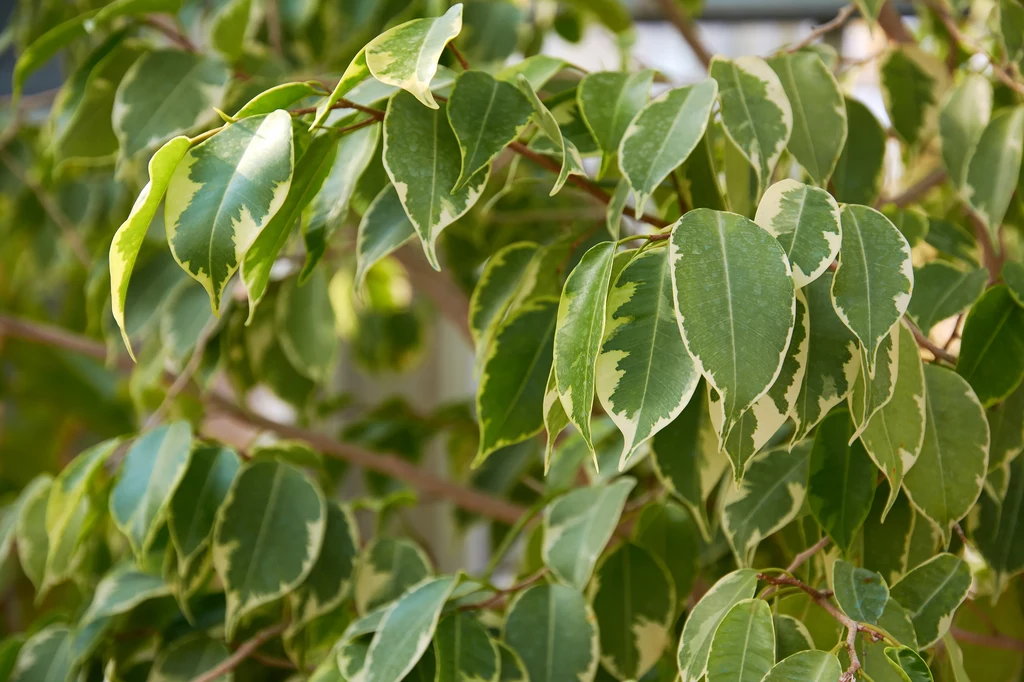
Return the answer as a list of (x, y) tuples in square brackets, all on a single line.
[(748, 363)]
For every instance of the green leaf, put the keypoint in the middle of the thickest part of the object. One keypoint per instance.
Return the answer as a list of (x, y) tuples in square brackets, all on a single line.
[(894, 436), (311, 171), (1006, 424), (992, 348), (931, 594), (704, 619), (994, 168), (406, 56), (950, 472), (912, 83), (841, 480), (746, 630), (756, 114), (964, 115), (512, 385), (701, 187), (486, 115), (30, 535), (578, 333), (120, 591), (572, 163), (45, 657), (791, 636), (1013, 277), (942, 290), (188, 658), (740, 346), (832, 359), (769, 497), (305, 326), (354, 74), (538, 70), (329, 582), (805, 220), (663, 135), (578, 525), (911, 222), (405, 631), (166, 93), (806, 666), (185, 316), (124, 249), (608, 101), (422, 158), (999, 534), (331, 190), (871, 393), (383, 228), (222, 195), (153, 469), (634, 601), (645, 376), (860, 593), (387, 568), (279, 97), (512, 667), (554, 632), (872, 285), (668, 532), (211, 470), (859, 172), (908, 664), (465, 652), (819, 113), (229, 27), (274, 520)]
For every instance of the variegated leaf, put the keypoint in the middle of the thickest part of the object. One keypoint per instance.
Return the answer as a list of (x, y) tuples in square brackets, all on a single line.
[(507, 280), (859, 172), (806, 666), (931, 594), (964, 115), (555, 419), (706, 616), (386, 569), (756, 113), (913, 82), (608, 101), (806, 222), (645, 376), (422, 158), (46, 656), (383, 228), (465, 651), (194, 505), (279, 97), (991, 348), (120, 591), (994, 168), (870, 393), (747, 628), (740, 343), (572, 163), (663, 135), (189, 657), (942, 290), (223, 193), (329, 582), (553, 630)]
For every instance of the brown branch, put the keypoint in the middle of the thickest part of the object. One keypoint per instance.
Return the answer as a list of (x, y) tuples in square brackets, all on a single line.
[(273, 20), (918, 190), (396, 467), (996, 641), (891, 22), (923, 341), (802, 558), (171, 33), (458, 55), (841, 18), (243, 652), (686, 29), (989, 257)]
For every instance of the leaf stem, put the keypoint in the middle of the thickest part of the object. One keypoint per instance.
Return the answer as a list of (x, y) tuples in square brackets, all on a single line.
[(923, 341), (247, 649), (687, 30)]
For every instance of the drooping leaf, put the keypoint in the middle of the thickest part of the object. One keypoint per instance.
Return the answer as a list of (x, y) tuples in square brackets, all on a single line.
[(608, 101), (860, 593), (422, 158), (578, 525), (223, 193), (405, 631), (120, 591), (153, 469), (279, 97), (45, 657), (912, 85), (756, 113), (747, 628), (518, 367), (30, 533), (805, 220), (406, 56), (329, 582), (950, 472), (229, 27), (166, 93), (553, 630), (578, 334), (283, 543), (704, 619), (383, 229), (305, 325), (663, 135), (354, 74), (464, 650), (387, 568), (189, 657), (871, 393), (858, 175), (193, 509), (572, 163), (769, 496), (555, 419), (994, 168), (1000, 534), (931, 593), (634, 600), (1006, 425), (964, 115), (908, 664), (740, 345), (819, 112), (942, 290), (485, 114), (807, 666), (894, 436), (645, 376), (506, 281), (992, 348), (873, 283)]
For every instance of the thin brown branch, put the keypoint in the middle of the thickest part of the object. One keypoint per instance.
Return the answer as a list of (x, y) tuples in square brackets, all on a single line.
[(171, 33), (247, 649), (891, 22), (841, 18), (273, 19), (923, 341), (918, 190), (995, 641), (500, 595), (802, 558), (377, 114), (686, 29), (989, 257), (51, 208), (458, 55)]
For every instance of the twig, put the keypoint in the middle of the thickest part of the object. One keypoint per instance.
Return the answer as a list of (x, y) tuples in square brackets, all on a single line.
[(923, 341), (458, 55), (990, 259), (499, 595), (51, 208), (171, 33), (241, 653), (918, 190), (956, 332), (891, 22), (841, 18), (996, 641), (686, 29), (273, 20), (801, 558)]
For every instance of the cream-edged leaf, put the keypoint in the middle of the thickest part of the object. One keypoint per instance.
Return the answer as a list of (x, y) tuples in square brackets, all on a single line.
[(554, 631), (704, 619), (931, 594), (994, 168), (383, 228), (806, 222)]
